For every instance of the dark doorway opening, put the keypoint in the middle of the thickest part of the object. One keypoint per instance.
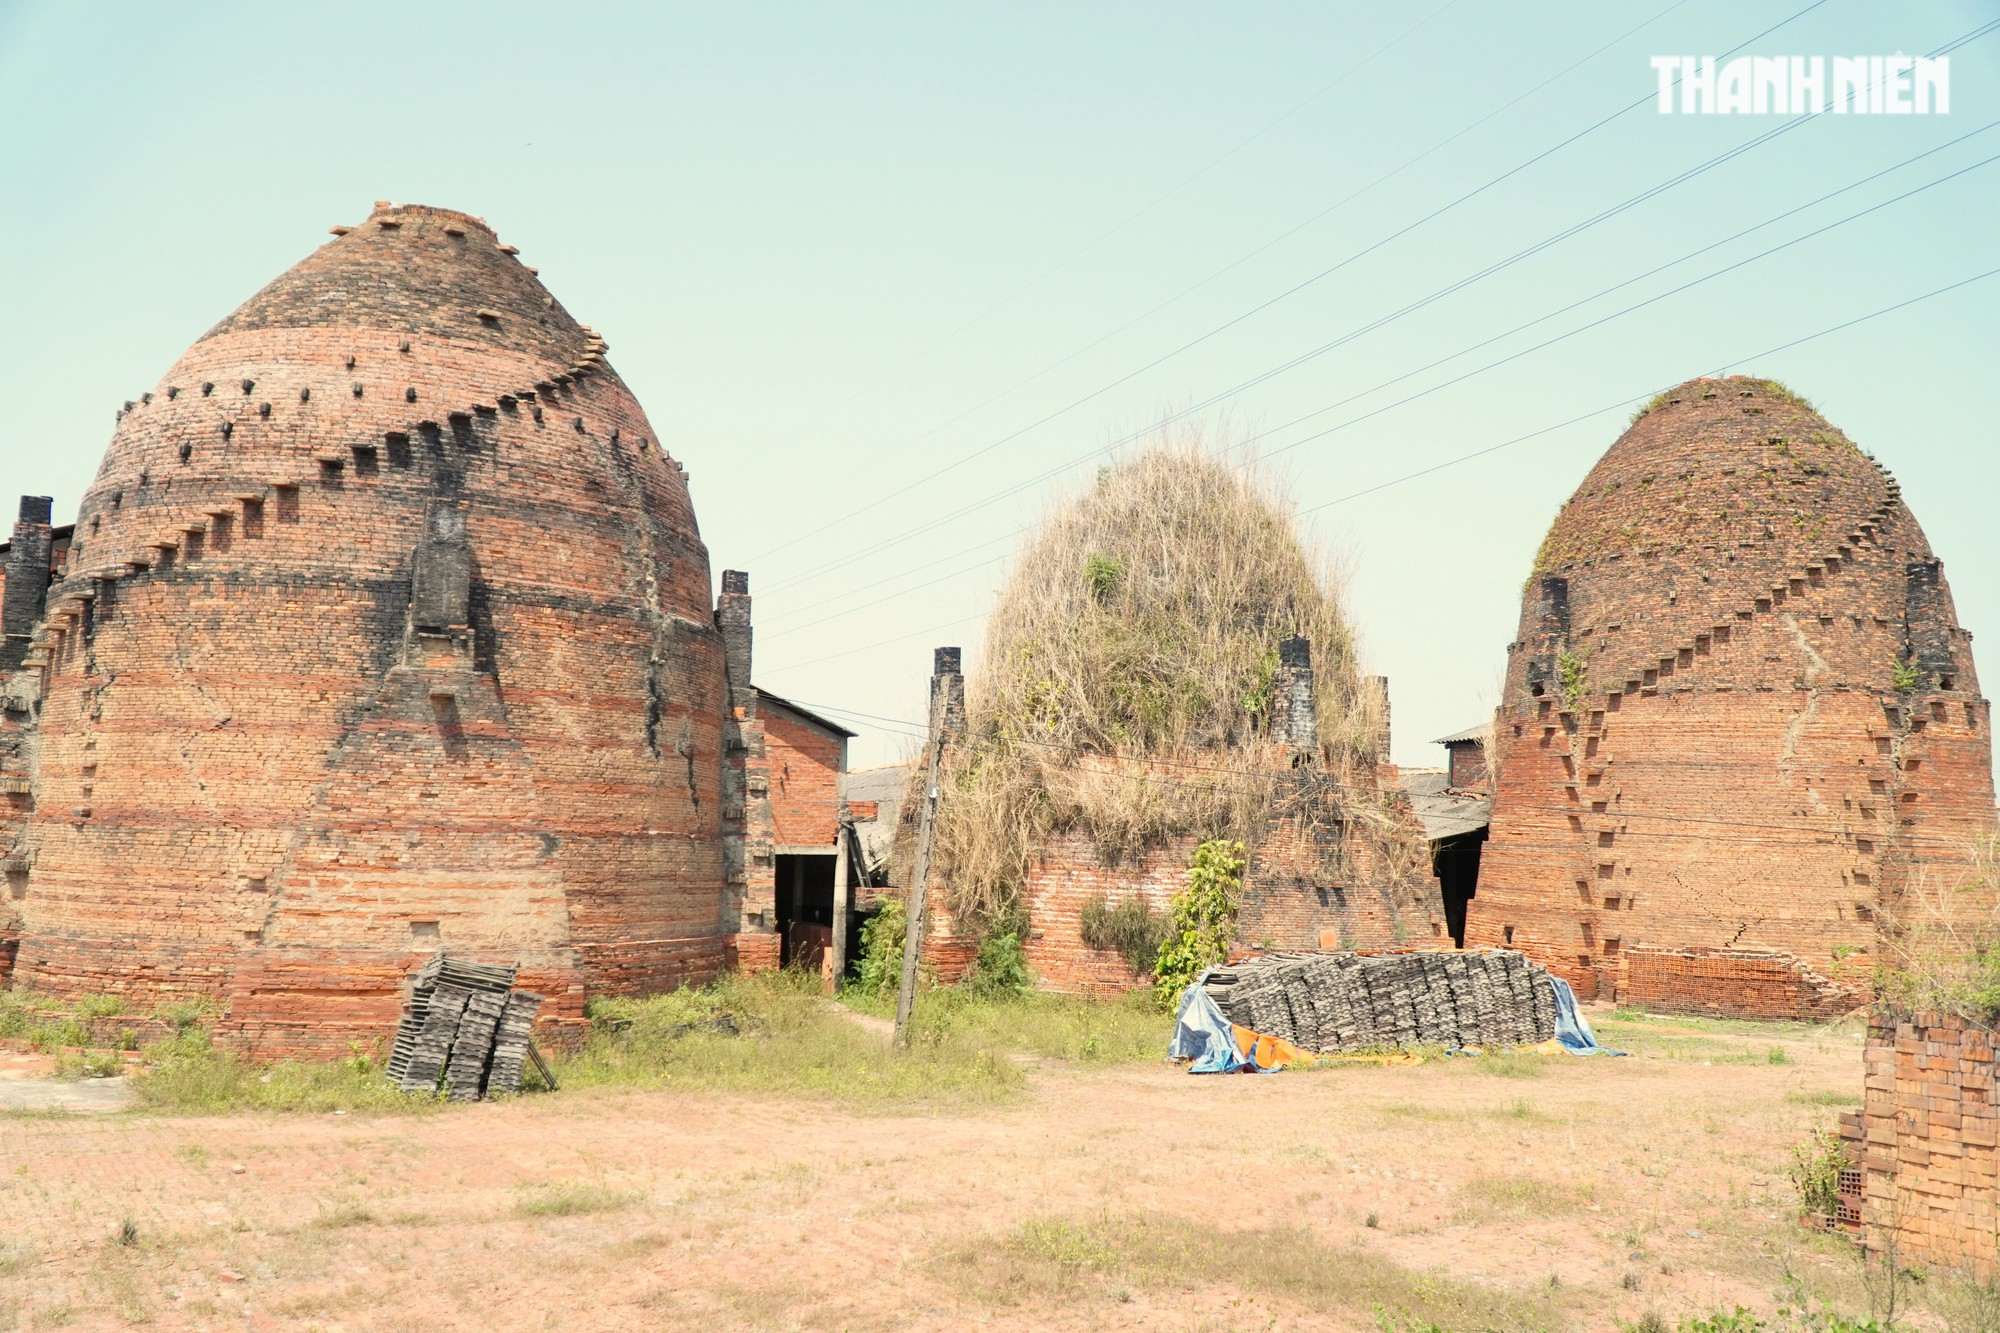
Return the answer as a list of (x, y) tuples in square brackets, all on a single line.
[(805, 908), (1455, 862)]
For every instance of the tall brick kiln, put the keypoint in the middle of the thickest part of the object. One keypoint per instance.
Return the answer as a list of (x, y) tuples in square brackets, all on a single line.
[(1740, 718), (384, 627)]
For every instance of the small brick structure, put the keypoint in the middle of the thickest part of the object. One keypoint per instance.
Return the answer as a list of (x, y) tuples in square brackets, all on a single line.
[(1739, 716), (385, 627), (1925, 1145)]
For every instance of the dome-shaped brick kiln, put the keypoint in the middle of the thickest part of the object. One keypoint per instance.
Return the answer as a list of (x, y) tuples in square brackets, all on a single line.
[(1740, 719), (384, 628)]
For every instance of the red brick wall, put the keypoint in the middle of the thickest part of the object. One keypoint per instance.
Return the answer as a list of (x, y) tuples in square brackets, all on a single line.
[(1738, 983), (252, 768), (1738, 771), (1467, 766), (1924, 1141), (805, 762)]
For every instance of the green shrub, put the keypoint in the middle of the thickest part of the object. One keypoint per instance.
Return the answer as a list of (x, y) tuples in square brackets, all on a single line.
[(1204, 918), (880, 969), (1572, 676), (1132, 928), (1001, 968), (1817, 1161)]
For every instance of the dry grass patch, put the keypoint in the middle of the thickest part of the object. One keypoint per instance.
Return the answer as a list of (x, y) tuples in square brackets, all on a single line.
[(774, 1032), (1527, 1196), (1061, 1259), (572, 1198), (1128, 679)]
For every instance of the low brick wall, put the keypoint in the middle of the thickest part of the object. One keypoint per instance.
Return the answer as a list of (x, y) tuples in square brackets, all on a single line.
[(1734, 983), (1924, 1143)]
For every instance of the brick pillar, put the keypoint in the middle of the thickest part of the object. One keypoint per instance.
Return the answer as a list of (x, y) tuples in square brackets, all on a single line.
[(751, 910), (1295, 701), (732, 618), (27, 579), (1551, 632), (946, 678)]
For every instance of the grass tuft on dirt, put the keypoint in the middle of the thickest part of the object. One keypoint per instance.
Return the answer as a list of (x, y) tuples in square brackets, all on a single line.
[(571, 1198), (1052, 1027), (774, 1032), (1049, 1259), (187, 1075)]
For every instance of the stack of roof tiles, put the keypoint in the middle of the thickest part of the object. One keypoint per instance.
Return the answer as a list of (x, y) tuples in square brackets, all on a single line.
[(465, 1031), (1333, 1002)]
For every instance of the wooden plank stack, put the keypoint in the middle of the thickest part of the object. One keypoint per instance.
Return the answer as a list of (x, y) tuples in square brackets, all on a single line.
[(1333, 1002), (465, 1031)]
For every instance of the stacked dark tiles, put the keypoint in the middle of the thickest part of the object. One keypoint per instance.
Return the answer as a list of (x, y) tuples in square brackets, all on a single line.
[(466, 1029), (1331, 1002)]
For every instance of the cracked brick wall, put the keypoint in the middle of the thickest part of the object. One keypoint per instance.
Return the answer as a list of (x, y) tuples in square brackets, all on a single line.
[(385, 627), (1739, 719)]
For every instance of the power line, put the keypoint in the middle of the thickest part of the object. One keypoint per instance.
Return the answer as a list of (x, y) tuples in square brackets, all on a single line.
[(1302, 286), (1153, 764), (1627, 402), (1518, 439), (1227, 268), (1543, 319), (1129, 219)]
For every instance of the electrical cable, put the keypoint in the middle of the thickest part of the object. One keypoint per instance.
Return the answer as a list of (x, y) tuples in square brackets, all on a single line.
[(1521, 328), (1225, 269), (1325, 273)]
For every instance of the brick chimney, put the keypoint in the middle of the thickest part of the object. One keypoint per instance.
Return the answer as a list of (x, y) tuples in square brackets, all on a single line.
[(27, 579), (1294, 703), (732, 618)]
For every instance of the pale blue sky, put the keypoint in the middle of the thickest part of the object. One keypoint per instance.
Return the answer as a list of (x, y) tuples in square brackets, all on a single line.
[(828, 244)]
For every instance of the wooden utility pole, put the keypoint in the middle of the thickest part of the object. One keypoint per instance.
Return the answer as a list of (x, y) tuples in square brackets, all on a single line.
[(914, 913)]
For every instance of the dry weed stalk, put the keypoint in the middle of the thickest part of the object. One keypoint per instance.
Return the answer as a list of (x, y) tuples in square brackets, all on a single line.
[(1940, 939), (1127, 682)]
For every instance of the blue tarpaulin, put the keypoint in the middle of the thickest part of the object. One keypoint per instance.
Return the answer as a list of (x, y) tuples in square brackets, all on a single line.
[(1572, 1028), (1203, 1035)]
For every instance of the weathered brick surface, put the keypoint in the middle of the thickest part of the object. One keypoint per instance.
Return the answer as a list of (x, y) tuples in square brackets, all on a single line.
[(1924, 1142), (263, 774), (1311, 882), (1739, 772)]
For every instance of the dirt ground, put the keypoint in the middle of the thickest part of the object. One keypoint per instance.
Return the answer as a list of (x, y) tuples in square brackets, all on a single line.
[(1597, 1189)]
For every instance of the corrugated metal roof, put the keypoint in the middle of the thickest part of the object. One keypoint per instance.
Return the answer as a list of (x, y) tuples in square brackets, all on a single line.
[(1477, 733), (1444, 810)]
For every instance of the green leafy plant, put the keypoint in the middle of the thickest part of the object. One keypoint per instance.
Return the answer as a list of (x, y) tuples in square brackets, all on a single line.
[(1817, 1161), (1204, 918), (1130, 927), (1906, 676), (1102, 573), (1738, 1320), (1572, 676), (1001, 968), (880, 970)]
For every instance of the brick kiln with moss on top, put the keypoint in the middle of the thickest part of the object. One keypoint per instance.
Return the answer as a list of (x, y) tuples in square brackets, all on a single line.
[(384, 627), (1739, 719)]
